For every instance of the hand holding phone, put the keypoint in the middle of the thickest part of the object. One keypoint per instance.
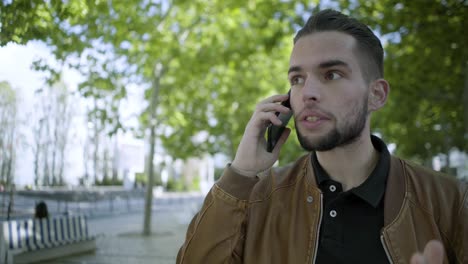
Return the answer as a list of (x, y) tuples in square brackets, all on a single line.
[(251, 155), (274, 132)]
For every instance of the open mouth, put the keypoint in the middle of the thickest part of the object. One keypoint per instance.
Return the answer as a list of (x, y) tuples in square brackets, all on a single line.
[(312, 118)]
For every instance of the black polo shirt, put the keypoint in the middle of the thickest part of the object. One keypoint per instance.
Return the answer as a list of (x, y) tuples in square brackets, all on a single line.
[(351, 223)]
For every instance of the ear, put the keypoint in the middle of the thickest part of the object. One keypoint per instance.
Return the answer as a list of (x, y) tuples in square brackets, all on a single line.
[(378, 93)]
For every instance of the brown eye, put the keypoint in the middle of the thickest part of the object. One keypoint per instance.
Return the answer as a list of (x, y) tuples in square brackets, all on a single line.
[(296, 80), (332, 75)]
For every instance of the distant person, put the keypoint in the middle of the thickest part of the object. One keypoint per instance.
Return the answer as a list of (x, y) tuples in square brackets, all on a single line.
[(41, 210), (348, 200)]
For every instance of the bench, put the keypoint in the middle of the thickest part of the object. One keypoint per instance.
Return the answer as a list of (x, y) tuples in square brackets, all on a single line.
[(32, 240)]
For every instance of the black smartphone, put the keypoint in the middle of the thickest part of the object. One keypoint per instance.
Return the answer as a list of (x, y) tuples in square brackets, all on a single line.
[(274, 132)]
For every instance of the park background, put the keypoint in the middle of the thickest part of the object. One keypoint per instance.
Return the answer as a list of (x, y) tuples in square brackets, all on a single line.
[(151, 97)]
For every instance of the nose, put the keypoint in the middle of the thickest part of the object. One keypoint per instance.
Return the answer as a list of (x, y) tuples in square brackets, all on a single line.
[(311, 90)]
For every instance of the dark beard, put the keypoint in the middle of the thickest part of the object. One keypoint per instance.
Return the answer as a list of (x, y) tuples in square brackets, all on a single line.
[(336, 138)]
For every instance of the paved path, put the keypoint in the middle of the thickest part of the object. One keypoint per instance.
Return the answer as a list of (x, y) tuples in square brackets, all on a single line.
[(121, 240)]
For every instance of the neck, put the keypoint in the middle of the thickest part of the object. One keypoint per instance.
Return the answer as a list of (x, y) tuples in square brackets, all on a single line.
[(350, 165)]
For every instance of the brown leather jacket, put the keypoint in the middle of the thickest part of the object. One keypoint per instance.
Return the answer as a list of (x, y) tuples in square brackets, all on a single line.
[(275, 218)]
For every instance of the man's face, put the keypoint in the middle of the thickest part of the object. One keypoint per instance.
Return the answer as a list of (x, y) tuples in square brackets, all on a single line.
[(328, 92)]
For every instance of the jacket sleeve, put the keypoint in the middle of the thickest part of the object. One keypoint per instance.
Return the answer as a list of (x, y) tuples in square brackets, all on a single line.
[(217, 232), (461, 239)]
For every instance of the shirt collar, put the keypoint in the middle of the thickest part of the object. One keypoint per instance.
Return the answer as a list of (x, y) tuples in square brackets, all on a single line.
[(373, 188)]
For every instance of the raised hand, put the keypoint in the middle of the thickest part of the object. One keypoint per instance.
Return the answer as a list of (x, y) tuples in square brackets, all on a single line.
[(433, 254), (252, 157)]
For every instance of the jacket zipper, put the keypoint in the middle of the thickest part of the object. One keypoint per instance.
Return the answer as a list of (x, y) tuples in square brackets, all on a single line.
[(385, 248), (318, 229)]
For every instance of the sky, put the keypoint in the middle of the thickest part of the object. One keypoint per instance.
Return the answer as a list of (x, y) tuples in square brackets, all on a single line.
[(15, 67)]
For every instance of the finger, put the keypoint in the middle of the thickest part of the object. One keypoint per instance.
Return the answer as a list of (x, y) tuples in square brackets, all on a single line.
[(417, 258), (272, 107), (275, 99), (269, 117), (281, 140), (434, 252)]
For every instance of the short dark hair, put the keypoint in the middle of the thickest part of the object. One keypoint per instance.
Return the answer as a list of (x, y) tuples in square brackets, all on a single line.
[(369, 48), (41, 210)]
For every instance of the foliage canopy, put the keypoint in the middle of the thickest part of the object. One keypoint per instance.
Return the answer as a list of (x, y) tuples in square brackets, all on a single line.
[(221, 57)]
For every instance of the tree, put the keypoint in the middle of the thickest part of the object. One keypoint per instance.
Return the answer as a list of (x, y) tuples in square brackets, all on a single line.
[(220, 57), (99, 149), (216, 53), (53, 116), (212, 48), (8, 132), (427, 67)]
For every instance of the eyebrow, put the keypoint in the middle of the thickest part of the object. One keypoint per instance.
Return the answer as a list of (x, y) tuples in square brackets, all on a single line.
[(294, 69), (322, 65), (332, 63)]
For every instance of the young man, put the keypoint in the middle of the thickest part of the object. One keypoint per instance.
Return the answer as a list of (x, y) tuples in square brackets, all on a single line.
[(349, 200)]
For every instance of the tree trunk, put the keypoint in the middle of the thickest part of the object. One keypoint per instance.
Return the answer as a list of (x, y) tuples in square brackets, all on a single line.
[(46, 176), (96, 142), (36, 166), (37, 152), (105, 166), (8, 170), (152, 141), (3, 167), (465, 103), (115, 160), (85, 160), (53, 172), (150, 184), (11, 203)]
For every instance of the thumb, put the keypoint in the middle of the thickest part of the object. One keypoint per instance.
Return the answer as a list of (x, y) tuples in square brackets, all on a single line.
[(417, 258), (434, 251), (433, 254)]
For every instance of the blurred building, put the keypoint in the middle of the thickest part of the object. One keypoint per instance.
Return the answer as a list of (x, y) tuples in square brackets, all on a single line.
[(456, 161), (130, 160), (199, 170)]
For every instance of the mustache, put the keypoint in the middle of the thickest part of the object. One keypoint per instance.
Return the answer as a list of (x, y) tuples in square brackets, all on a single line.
[(312, 109)]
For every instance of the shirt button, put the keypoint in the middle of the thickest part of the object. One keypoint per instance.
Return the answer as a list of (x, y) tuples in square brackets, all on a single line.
[(333, 213), (310, 199), (332, 188)]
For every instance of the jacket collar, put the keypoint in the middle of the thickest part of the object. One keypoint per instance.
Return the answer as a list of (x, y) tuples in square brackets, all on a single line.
[(394, 190), (373, 188)]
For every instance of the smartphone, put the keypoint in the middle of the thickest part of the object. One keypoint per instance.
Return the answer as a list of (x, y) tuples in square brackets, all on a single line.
[(274, 132)]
